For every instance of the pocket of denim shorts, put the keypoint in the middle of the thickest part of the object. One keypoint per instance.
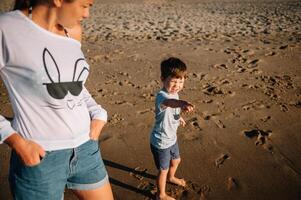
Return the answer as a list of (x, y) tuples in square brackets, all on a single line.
[(95, 146), (42, 160), (93, 140)]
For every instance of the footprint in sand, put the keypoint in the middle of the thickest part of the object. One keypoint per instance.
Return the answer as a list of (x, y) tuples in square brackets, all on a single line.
[(193, 129), (197, 76), (283, 47), (148, 96), (261, 136), (220, 66), (253, 63), (232, 184), (193, 191), (249, 52), (211, 89), (218, 123), (193, 186), (240, 69), (138, 172), (298, 91), (266, 118), (271, 53), (231, 93), (189, 195), (283, 108), (145, 111), (194, 122), (297, 104), (208, 101), (254, 71), (225, 82), (123, 103), (147, 187), (254, 105), (228, 50), (221, 159), (129, 83)]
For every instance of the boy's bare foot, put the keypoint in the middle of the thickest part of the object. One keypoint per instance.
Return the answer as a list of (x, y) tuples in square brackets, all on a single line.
[(164, 197), (178, 181)]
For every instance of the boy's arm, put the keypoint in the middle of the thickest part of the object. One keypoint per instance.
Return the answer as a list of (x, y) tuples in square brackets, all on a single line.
[(175, 103)]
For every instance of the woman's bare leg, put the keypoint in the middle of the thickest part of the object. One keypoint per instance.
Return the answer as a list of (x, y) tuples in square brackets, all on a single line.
[(102, 193)]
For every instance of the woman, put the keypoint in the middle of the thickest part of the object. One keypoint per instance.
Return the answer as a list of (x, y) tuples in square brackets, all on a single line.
[(56, 122)]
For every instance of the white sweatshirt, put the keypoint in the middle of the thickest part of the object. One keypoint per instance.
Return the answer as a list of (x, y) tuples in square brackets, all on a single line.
[(44, 74)]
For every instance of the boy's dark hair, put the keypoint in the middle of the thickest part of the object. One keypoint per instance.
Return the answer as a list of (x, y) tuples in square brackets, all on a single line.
[(173, 67)]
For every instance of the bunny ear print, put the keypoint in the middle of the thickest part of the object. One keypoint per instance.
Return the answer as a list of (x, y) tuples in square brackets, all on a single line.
[(51, 67), (81, 70)]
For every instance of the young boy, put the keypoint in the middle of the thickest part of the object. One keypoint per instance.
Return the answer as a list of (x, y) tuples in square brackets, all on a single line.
[(163, 138)]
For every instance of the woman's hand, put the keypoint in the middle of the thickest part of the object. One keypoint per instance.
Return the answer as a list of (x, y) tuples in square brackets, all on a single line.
[(95, 128), (29, 151)]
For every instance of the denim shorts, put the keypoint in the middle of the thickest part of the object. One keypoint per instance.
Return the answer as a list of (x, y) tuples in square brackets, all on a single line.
[(79, 168), (163, 157)]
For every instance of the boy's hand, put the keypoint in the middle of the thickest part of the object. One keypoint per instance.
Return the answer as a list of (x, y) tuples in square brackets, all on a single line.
[(187, 107), (182, 122)]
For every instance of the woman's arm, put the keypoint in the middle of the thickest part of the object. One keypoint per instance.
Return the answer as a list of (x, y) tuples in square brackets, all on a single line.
[(96, 128), (97, 113), (29, 151)]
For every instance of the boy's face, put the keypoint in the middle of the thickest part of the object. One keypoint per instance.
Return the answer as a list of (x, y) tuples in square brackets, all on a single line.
[(173, 85)]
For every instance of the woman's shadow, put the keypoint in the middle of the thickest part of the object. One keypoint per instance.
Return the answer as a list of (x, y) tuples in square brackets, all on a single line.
[(137, 173)]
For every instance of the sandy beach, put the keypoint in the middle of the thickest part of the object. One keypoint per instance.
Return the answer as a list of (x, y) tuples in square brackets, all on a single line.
[(242, 142)]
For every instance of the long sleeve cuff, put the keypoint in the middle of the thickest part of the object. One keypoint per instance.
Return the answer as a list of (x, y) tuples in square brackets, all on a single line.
[(100, 114), (5, 129)]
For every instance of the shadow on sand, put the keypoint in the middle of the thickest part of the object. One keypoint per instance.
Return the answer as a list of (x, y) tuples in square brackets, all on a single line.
[(144, 192)]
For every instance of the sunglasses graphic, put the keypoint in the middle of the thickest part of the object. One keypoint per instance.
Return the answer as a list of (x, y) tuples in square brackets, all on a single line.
[(58, 90)]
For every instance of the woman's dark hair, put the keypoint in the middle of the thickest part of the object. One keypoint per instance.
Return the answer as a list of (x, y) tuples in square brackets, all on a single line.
[(25, 4)]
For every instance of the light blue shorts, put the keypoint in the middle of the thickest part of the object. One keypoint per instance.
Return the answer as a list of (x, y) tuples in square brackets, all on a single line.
[(79, 168)]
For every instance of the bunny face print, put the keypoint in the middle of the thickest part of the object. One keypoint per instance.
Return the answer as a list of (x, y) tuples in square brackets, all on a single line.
[(66, 93)]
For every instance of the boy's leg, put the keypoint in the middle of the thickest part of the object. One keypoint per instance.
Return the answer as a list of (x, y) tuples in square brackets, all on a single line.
[(174, 163), (172, 171), (162, 159), (161, 183)]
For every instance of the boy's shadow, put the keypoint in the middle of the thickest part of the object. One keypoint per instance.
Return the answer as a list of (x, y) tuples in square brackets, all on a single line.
[(144, 192)]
